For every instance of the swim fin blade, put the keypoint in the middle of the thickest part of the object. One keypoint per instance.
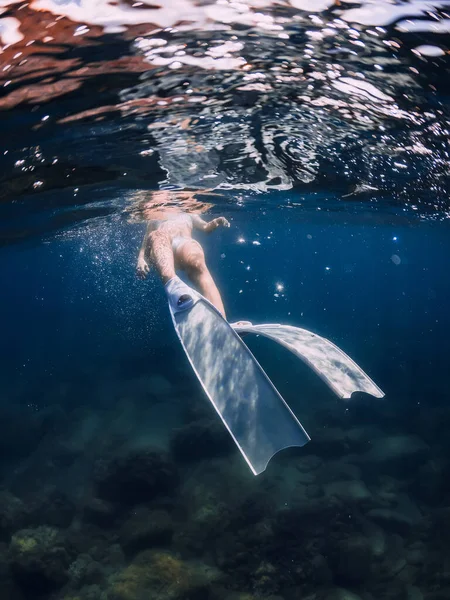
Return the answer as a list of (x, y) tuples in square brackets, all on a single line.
[(331, 363), (257, 417)]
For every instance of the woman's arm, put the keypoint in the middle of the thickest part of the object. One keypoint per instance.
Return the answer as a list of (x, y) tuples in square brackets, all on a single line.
[(142, 267), (202, 225)]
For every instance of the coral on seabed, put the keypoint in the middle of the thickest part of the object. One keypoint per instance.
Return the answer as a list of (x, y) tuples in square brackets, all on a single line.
[(145, 528), (352, 560), (39, 559), (137, 475), (201, 439), (99, 512), (84, 570), (348, 517), (265, 580), (13, 514), (52, 507), (397, 453), (159, 575)]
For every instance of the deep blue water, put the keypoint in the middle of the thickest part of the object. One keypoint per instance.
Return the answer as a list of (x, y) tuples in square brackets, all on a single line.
[(77, 296)]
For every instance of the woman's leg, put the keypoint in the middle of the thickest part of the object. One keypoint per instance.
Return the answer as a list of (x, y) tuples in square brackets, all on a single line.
[(161, 255), (191, 258)]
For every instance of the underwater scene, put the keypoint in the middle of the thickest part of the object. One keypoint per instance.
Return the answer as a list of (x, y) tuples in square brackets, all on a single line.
[(225, 292)]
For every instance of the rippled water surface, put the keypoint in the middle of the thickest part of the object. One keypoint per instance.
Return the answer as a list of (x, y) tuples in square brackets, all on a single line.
[(320, 129), (312, 96)]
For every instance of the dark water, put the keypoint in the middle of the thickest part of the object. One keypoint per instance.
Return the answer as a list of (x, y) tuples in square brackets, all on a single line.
[(118, 481)]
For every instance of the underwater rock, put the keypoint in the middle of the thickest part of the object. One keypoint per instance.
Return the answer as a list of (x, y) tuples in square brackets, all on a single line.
[(394, 560), (161, 576), (252, 509), (320, 571), (9, 591), (99, 512), (13, 514), (8, 588), (440, 527), (398, 566), (201, 439), (52, 507), (386, 491), (313, 571), (87, 592), (376, 538), (391, 520), (38, 559), (209, 515), (308, 463), (106, 552), (431, 482), (413, 593), (305, 478), (406, 505), (302, 517), (265, 580), (339, 470), (416, 553), (340, 594), (397, 453), (348, 491), (329, 442), (138, 476), (314, 491), (361, 439), (245, 596), (351, 560), (442, 594), (84, 571), (408, 574), (145, 528)]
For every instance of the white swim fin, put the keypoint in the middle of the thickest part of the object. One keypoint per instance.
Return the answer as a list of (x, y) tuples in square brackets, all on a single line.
[(335, 367), (251, 408)]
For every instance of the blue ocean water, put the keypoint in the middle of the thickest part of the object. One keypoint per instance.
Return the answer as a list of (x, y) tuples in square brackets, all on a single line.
[(320, 131)]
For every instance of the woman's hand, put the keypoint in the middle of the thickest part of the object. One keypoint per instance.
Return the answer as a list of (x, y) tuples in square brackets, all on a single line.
[(222, 222), (142, 268)]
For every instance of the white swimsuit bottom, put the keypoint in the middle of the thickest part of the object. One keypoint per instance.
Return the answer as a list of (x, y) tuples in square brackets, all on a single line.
[(179, 240)]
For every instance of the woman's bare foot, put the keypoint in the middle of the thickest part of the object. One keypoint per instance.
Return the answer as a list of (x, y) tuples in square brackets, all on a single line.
[(241, 324), (238, 324)]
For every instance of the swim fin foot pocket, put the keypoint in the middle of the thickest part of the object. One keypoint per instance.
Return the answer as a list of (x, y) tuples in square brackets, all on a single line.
[(185, 301), (250, 407)]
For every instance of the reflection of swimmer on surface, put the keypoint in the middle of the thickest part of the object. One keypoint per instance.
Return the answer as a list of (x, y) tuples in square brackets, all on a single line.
[(168, 245)]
